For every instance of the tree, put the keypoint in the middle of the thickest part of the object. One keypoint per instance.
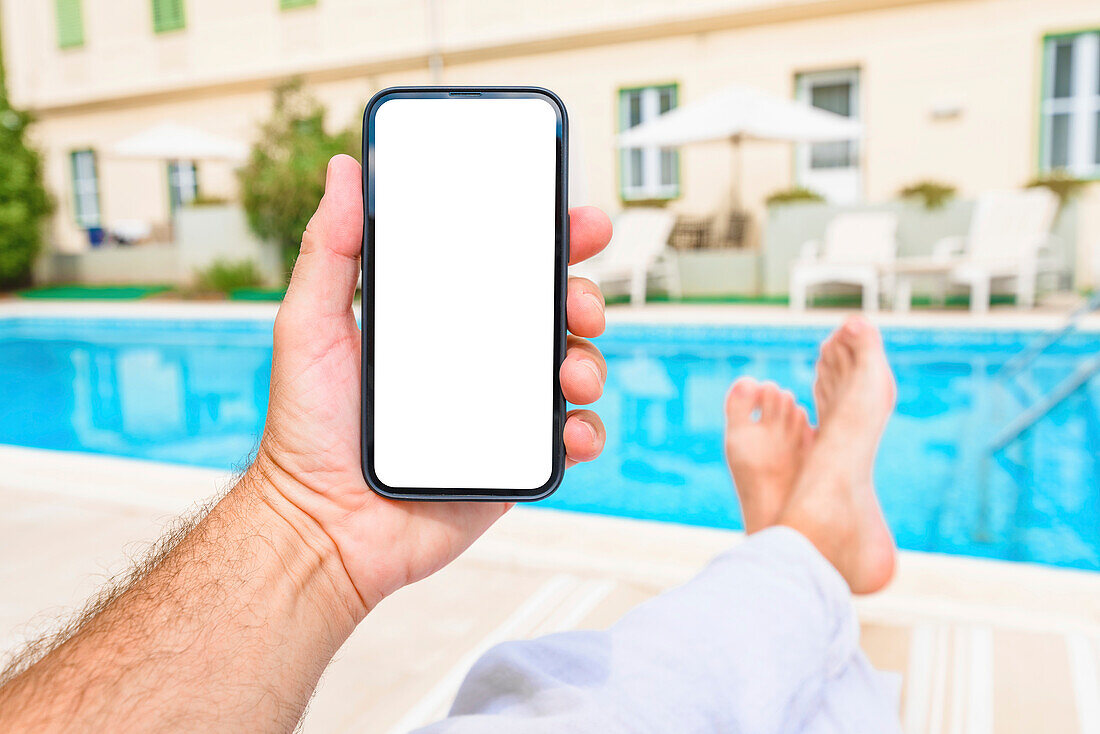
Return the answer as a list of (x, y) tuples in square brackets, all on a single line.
[(24, 202), (285, 174)]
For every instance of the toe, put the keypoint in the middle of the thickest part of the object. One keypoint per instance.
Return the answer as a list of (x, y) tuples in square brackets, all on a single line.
[(741, 400), (860, 336), (843, 352), (828, 362), (822, 390), (787, 405), (837, 353), (856, 328), (853, 326), (827, 355), (771, 399), (857, 331)]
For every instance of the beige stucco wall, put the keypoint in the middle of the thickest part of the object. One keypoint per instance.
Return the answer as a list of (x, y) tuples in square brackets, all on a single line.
[(228, 41), (981, 57)]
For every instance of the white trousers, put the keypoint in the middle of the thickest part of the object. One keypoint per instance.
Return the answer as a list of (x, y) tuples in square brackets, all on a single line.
[(765, 639)]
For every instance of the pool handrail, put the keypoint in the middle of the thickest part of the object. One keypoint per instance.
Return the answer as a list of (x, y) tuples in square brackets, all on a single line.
[(1049, 400), (1016, 364)]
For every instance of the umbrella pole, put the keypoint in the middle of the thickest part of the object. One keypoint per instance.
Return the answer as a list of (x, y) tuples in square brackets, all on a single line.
[(735, 173), (736, 221)]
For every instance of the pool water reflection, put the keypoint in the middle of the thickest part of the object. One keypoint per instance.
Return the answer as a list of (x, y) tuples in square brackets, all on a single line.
[(196, 393), (189, 393)]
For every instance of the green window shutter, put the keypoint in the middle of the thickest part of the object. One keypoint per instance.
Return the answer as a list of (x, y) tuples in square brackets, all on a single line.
[(284, 4), (168, 15), (70, 24)]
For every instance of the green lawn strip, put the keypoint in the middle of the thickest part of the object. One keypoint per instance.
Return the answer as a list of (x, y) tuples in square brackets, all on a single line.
[(136, 292), (960, 301), (257, 294), (94, 292)]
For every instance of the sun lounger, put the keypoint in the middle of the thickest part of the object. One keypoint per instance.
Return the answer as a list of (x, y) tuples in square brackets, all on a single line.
[(1009, 234), (858, 249), (638, 249)]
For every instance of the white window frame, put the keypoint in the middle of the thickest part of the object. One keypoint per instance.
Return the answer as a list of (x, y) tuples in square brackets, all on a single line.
[(1083, 104), (805, 82), (651, 188), (85, 178), (838, 184)]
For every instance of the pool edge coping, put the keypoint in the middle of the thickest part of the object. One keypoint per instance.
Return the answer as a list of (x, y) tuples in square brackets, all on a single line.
[(1007, 318)]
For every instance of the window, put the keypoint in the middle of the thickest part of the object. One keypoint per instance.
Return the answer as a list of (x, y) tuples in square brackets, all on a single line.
[(85, 188), (284, 4), (1070, 111), (168, 15), (648, 173), (830, 168), (70, 24), (837, 97), (837, 92), (183, 183)]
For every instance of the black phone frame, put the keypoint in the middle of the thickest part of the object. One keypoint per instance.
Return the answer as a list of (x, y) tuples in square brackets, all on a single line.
[(561, 237)]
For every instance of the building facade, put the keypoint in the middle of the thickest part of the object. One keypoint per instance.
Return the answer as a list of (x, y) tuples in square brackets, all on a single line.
[(979, 94)]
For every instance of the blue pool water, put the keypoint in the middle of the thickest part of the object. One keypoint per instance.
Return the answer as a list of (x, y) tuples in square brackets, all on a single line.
[(195, 393)]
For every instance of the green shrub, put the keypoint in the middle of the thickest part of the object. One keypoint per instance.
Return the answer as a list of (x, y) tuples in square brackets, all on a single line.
[(793, 196), (1064, 185), (284, 177), (932, 194), (224, 276), (24, 202)]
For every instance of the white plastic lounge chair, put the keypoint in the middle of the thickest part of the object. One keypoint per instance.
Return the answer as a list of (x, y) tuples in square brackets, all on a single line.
[(639, 247), (858, 250), (1008, 238)]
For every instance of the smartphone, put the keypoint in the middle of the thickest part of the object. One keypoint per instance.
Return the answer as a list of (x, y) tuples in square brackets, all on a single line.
[(465, 250)]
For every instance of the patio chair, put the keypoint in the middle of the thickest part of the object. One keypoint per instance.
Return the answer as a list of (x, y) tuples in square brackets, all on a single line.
[(638, 249), (858, 249), (1009, 239)]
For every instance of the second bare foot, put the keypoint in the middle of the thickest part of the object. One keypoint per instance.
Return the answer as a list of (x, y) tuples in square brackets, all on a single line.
[(834, 503)]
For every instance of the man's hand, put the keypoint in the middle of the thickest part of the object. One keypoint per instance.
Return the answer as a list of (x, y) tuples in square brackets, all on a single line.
[(229, 628), (310, 452)]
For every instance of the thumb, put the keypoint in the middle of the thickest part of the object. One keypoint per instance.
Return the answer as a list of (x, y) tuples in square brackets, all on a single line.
[(327, 269)]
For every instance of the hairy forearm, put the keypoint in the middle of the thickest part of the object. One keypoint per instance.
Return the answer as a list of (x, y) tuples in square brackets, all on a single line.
[(229, 631)]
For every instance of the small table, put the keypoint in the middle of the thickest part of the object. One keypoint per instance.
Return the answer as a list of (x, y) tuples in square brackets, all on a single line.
[(906, 269)]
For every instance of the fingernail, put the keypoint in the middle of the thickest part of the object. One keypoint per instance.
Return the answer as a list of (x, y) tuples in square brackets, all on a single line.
[(591, 366), (590, 427), (328, 171), (595, 299)]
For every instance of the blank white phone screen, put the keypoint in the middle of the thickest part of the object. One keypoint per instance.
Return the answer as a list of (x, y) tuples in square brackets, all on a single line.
[(464, 278)]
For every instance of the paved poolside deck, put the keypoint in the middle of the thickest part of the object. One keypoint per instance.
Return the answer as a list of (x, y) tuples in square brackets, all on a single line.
[(981, 646)]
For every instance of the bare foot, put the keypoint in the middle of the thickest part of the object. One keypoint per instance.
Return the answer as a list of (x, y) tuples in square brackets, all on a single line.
[(767, 438), (834, 503)]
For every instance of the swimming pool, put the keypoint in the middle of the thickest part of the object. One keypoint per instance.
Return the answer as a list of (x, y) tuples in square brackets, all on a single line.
[(195, 392)]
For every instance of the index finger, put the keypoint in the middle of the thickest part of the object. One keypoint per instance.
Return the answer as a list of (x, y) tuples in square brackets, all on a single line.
[(589, 233)]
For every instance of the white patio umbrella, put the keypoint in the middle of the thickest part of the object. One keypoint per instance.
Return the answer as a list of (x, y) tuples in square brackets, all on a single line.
[(740, 113), (175, 142)]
